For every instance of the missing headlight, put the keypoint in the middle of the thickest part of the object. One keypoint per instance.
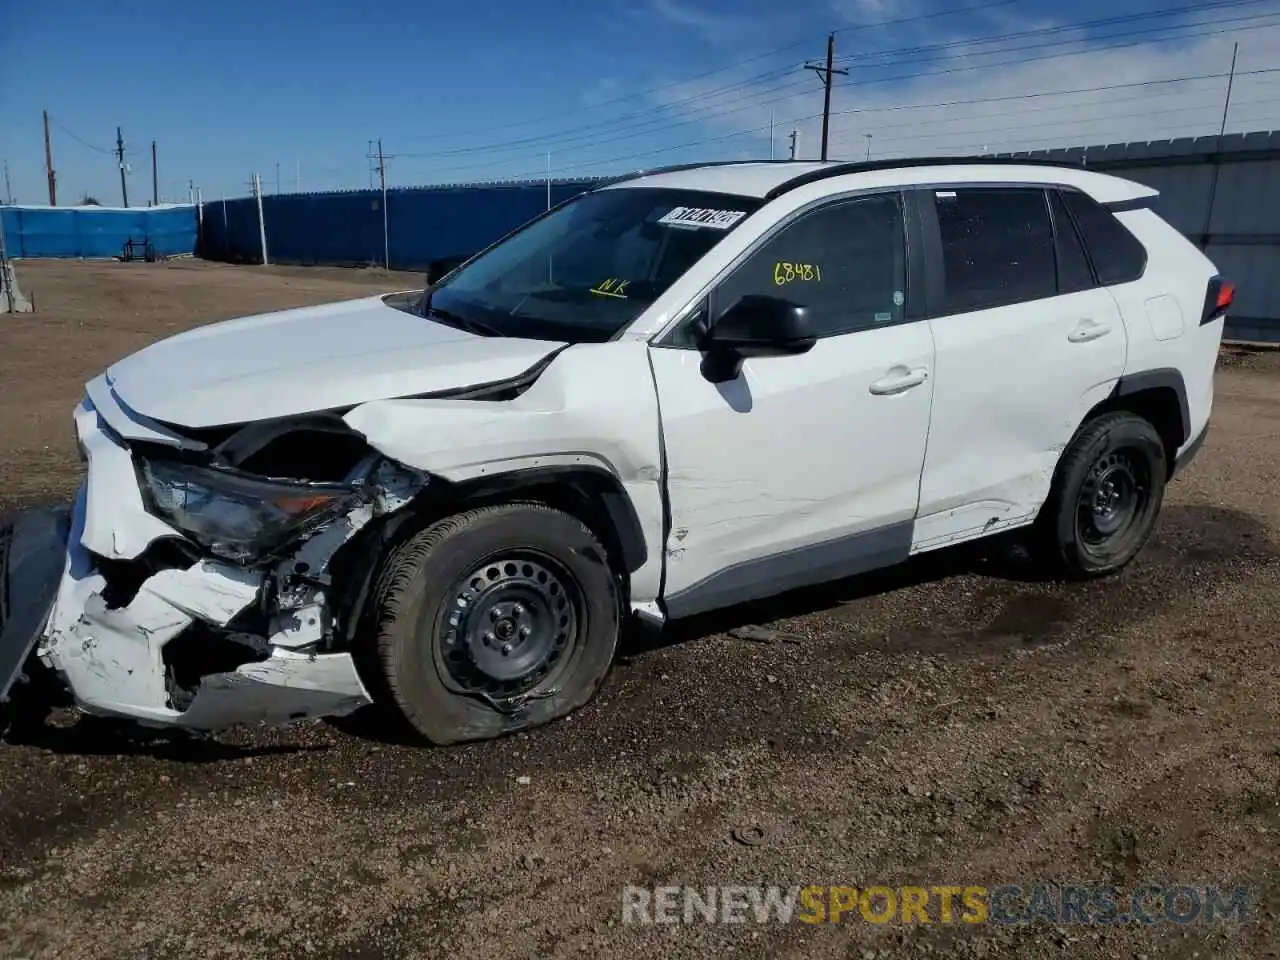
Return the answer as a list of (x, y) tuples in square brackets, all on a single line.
[(239, 517)]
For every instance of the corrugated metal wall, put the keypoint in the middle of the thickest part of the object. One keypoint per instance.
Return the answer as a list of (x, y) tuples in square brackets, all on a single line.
[(424, 224), (96, 231), (1224, 194)]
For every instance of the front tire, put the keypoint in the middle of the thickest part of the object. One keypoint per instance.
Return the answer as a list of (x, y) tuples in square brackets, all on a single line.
[(1106, 497), (495, 620)]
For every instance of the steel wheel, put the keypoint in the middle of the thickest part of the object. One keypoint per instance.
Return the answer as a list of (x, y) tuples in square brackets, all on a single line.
[(1112, 497), (509, 625)]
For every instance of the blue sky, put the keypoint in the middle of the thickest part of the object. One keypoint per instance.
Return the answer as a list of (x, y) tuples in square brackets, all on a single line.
[(484, 90)]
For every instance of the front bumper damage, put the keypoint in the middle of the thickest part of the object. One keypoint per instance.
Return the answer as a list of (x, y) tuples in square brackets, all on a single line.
[(203, 645)]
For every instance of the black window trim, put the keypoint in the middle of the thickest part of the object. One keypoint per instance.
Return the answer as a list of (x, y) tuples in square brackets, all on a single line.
[(1071, 228), (913, 311), (1111, 209)]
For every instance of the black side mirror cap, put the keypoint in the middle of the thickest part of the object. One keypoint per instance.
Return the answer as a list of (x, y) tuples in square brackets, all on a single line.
[(755, 326)]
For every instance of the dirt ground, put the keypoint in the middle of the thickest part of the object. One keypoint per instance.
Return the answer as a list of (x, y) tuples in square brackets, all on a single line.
[(948, 722)]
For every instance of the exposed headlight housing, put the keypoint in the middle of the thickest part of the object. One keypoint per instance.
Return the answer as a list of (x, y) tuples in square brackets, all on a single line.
[(239, 517)]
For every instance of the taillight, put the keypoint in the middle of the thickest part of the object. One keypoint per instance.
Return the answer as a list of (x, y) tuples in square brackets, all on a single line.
[(1218, 300), (1226, 293)]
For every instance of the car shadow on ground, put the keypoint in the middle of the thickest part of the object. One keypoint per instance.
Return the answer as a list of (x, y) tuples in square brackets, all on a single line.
[(998, 558), (97, 736), (88, 735)]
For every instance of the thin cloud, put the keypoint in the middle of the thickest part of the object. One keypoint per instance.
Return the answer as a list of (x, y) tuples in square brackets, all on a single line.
[(881, 97), (682, 14)]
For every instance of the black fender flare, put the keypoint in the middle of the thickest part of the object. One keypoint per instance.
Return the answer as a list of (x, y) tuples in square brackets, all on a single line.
[(593, 481), (1161, 377)]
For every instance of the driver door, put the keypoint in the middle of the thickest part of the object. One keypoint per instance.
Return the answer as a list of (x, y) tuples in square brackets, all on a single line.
[(803, 468)]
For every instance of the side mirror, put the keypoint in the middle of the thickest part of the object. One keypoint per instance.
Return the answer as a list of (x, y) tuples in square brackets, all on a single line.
[(755, 326)]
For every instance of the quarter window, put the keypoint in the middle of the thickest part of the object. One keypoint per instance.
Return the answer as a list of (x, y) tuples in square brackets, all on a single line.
[(997, 247), (1118, 256), (847, 262)]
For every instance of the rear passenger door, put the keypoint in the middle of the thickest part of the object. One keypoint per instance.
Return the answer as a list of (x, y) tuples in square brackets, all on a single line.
[(1026, 343)]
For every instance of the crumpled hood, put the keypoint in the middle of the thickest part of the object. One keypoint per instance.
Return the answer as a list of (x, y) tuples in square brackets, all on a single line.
[(313, 358)]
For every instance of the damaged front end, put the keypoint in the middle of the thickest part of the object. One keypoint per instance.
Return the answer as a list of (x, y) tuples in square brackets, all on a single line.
[(208, 579)]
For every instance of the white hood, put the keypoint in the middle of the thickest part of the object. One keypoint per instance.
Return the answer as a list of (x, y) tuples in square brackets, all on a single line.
[(312, 358)]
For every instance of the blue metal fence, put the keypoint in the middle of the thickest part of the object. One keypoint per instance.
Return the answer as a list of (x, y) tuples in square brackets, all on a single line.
[(424, 225), (97, 231)]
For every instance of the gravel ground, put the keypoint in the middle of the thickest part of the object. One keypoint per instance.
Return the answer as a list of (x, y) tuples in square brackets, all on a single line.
[(947, 722)]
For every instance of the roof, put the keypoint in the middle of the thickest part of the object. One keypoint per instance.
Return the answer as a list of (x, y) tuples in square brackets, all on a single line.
[(769, 178)]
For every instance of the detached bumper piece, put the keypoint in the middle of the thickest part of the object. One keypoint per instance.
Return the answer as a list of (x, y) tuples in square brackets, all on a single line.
[(32, 551)]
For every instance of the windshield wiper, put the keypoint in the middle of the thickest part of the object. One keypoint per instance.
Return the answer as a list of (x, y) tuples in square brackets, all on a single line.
[(478, 327)]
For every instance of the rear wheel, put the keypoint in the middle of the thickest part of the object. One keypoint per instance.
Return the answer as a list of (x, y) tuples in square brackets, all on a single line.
[(496, 620), (1105, 499)]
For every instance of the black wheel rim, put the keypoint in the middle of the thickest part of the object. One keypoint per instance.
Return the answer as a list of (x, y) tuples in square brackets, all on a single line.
[(1113, 497), (509, 625)]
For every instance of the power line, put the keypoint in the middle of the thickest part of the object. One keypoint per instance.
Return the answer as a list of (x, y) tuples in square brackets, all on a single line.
[(1097, 48), (1091, 42), (1060, 28), (755, 102), (738, 62), (1208, 108), (917, 106), (80, 140), (754, 98)]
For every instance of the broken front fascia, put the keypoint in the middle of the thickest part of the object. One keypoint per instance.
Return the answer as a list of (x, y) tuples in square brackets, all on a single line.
[(112, 659)]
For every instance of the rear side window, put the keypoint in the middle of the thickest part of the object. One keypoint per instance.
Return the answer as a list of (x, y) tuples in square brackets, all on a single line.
[(997, 247), (1117, 255)]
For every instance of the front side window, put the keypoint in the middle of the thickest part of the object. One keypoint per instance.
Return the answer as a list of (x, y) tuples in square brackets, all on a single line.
[(846, 261), (997, 247), (587, 270)]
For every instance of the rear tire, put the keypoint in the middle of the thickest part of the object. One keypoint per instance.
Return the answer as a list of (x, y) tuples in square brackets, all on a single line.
[(496, 620), (1106, 497)]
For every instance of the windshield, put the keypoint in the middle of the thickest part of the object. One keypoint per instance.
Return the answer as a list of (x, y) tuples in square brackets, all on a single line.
[(586, 270)]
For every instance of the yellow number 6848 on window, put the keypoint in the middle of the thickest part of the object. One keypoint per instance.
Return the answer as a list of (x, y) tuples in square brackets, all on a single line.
[(784, 272)]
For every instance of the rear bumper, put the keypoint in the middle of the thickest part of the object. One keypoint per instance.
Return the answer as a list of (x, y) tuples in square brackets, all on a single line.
[(32, 552)]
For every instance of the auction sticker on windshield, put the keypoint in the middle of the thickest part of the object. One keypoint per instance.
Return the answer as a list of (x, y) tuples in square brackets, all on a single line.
[(702, 217)]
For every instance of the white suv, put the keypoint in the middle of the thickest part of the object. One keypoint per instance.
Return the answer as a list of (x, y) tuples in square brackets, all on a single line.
[(673, 393)]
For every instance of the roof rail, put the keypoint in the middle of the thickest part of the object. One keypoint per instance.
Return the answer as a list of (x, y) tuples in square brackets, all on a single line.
[(677, 167), (864, 166)]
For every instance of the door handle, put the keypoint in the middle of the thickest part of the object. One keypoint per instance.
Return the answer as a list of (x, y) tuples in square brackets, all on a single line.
[(1088, 330), (899, 382)]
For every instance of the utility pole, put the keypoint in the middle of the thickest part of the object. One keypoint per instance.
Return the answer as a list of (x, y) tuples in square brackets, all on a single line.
[(48, 164), (262, 221), (124, 187), (795, 143), (1217, 163), (825, 74), (771, 133), (277, 178), (382, 159), (8, 190), (868, 136), (155, 177)]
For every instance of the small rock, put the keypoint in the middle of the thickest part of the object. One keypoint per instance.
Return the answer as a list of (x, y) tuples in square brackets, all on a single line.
[(771, 678), (524, 780)]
